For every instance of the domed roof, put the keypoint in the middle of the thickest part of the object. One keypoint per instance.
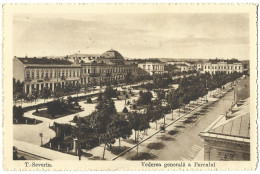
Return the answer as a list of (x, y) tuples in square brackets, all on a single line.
[(111, 54)]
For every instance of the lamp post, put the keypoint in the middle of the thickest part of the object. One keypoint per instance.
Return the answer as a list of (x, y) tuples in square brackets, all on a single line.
[(41, 135)]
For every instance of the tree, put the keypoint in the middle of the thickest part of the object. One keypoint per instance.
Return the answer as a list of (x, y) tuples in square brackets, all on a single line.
[(144, 98), (86, 87), (109, 93), (138, 121), (58, 91), (77, 88), (18, 113), (108, 138), (154, 112), (18, 90), (68, 88), (123, 128), (45, 93), (100, 96), (89, 100), (35, 94), (75, 119), (125, 110)]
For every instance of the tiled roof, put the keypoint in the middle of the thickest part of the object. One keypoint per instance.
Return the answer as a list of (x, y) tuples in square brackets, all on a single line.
[(44, 61)]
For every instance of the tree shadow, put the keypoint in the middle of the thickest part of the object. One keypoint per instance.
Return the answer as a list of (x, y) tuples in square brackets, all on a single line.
[(116, 150), (156, 146), (180, 126), (173, 132), (87, 154), (131, 141), (96, 158), (143, 156), (166, 138)]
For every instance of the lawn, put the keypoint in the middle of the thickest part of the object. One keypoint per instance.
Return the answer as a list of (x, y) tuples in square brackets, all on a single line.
[(44, 113)]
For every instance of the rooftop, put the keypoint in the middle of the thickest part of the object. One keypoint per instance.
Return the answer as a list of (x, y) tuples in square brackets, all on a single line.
[(111, 54), (234, 126), (44, 61)]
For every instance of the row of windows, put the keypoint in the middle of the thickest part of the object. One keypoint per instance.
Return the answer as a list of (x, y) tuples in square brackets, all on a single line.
[(155, 67), (222, 67), (50, 73), (116, 70)]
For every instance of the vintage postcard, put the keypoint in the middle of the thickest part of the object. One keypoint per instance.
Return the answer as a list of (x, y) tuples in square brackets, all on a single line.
[(129, 87)]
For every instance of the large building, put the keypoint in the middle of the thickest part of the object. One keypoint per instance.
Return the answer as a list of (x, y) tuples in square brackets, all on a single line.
[(228, 138), (152, 66), (214, 66), (93, 69), (37, 73), (109, 66)]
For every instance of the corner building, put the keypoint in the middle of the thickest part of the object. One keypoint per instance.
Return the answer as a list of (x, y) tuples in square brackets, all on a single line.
[(37, 73)]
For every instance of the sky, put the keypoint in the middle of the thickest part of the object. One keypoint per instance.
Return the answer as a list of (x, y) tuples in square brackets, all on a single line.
[(136, 35)]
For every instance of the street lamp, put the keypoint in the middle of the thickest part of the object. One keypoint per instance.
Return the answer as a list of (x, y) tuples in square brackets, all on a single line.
[(41, 135)]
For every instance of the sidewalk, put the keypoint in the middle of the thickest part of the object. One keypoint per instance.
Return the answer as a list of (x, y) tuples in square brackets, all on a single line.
[(44, 152)]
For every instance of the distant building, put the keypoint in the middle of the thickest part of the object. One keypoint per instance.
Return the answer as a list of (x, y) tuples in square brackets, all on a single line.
[(183, 66), (37, 73), (228, 138), (199, 66), (152, 66), (109, 66), (214, 66)]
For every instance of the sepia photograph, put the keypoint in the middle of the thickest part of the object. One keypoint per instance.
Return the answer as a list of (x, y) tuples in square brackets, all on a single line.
[(130, 86)]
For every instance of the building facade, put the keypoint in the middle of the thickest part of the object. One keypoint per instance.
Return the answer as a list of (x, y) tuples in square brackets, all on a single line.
[(152, 66), (222, 66), (228, 138), (37, 73), (109, 67)]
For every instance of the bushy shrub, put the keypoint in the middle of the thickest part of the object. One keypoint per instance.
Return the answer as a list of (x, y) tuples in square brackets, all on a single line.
[(18, 112), (57, 107), (125, 110), (75, 119), (89, 100)]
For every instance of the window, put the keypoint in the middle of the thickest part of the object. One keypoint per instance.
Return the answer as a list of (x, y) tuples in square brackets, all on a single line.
[(51, 73), (143, 66), (85, 70), (73, 73), (58, 73), (32, 74), (70, 73), (42, 74), (66, 73), (28, 74), (88, 70), (54, 73), (62, 73), (148, 67), (46, 73), (37, 74)]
